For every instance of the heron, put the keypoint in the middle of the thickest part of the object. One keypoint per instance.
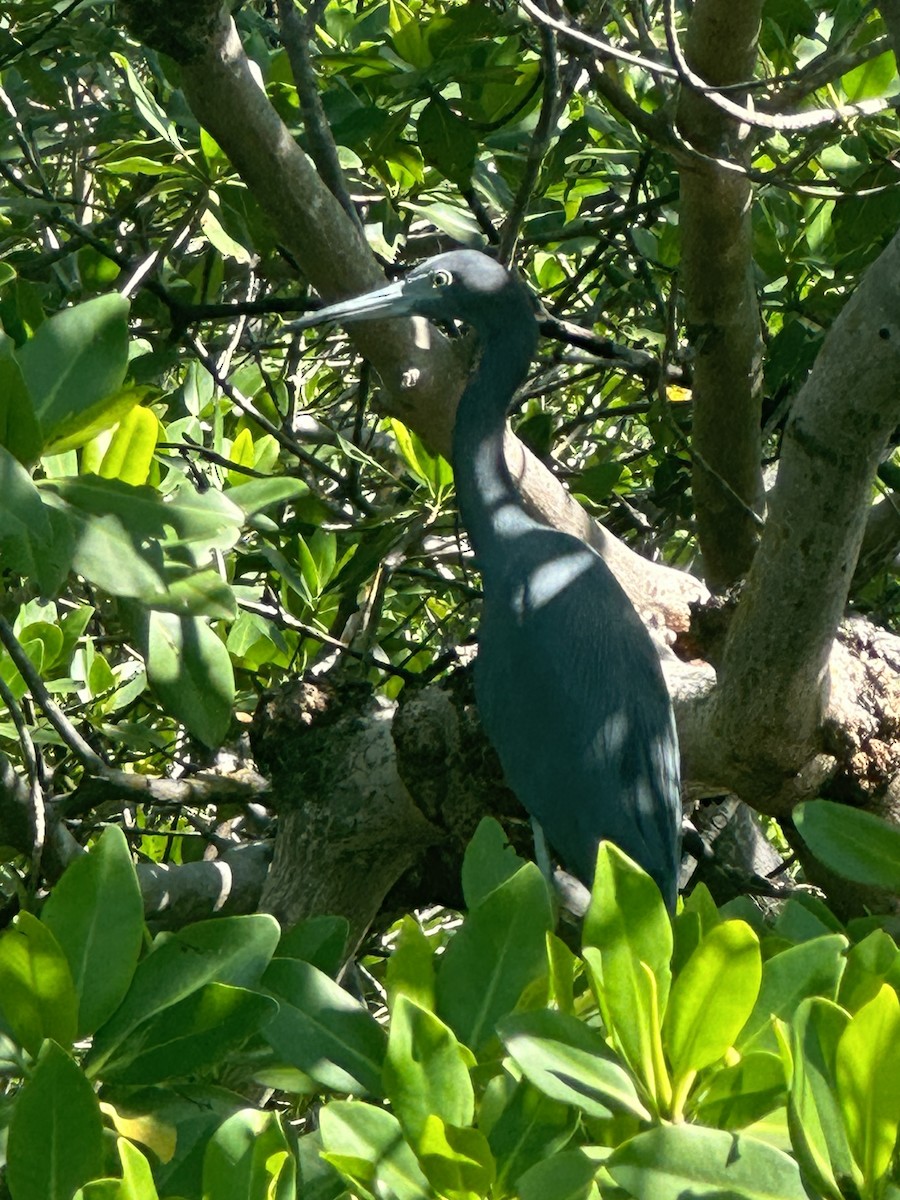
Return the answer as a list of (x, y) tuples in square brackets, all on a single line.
[(568, 684)]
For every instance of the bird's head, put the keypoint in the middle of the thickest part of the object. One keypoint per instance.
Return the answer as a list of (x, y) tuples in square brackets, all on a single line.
[(463, 285)]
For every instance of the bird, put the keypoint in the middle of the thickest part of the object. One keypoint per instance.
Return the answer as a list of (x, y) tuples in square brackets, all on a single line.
[(568, 684)]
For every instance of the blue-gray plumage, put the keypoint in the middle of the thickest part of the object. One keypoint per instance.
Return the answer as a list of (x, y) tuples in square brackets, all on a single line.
[(568, 683)]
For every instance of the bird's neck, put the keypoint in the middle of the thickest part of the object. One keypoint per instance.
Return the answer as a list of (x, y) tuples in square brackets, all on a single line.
[(490, 503)]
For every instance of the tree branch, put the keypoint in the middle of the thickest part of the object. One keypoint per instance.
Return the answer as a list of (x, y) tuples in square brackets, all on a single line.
[(774, 684), (720, 298), (422, 372)]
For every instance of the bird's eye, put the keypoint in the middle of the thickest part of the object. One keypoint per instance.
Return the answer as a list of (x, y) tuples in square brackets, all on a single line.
[(441, 279)]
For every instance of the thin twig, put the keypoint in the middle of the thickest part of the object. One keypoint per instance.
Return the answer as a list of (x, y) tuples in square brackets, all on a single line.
[(296, 33), (84, 752), (35, 791), (682, 72), (537, 149)]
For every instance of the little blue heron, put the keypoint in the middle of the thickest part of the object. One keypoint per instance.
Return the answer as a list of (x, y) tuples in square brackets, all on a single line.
[(567, 680)]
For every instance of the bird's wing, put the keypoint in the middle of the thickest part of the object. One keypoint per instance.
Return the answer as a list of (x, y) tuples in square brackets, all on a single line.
[(571, 695)]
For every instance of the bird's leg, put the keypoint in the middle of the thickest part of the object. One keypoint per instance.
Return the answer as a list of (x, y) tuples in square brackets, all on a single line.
[(542, 858), (542, 851)]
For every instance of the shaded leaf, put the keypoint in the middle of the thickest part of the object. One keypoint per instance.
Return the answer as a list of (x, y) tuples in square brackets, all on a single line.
[(671, 1162), (37, 995), (817, 1130), (856, 844), (232, 950), (570, 1062), (20, 432), (568, 1176), (367, 1146), (811, 969), (55, 1136), (249, 1157), (191, 1036), (322, 1030), (532, 1127), (189, 668), (76, 362), (498, 953), (425, 1071), (741, 1094), (96, 913)]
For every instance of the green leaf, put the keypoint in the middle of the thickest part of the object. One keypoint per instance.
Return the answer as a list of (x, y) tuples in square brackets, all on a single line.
[(425, 1071), (568, 1176), (242, 454), (408, 35), (814, 1119), (738, 1095), (367, 1146), (129, 455), (192, 1035), (25, 528), (813, 968), (498, 953), (76, 362), (231, 950), (627, 917), (37, 995), (209, 518), (570, 1062), (856, 844), (712, 998), (96, 913), (869, 963), (446, 141), (20, 432), (55, 1136), (321, 941), (877, 77), (217, 236), (433, 470), (675, 1161), (50, 637), (531, 1128), (190, 670), (106, 554), (83, 428), (410, 968), (256, 495), (867, 1070), (177, 1124), (137, 1177), (457, 1162), (198, 594), (150, 111), (596, 481), (322, 1030), (489, 861), (628, 945), (249, 1157)]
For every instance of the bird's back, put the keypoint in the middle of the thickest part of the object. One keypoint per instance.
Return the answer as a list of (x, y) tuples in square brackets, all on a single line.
[(571, 694)]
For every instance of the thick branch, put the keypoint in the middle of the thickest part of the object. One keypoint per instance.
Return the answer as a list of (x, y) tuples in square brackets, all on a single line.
[(419, 368), (774, 682), (720, 298)]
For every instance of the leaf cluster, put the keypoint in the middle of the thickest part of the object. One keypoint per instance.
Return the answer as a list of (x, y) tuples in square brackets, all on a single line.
[(492, 1060)]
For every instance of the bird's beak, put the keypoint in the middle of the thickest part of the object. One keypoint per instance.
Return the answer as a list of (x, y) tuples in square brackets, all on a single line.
[(389, 301)]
